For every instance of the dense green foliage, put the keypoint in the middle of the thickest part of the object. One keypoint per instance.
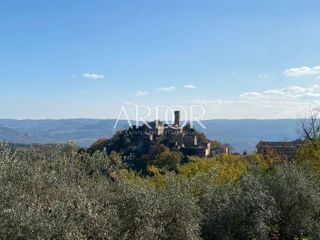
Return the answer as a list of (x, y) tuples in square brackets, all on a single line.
[(65, 196), (62, 194)]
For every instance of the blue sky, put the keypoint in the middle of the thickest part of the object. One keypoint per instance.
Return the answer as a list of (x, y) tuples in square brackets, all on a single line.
[(238, 59)]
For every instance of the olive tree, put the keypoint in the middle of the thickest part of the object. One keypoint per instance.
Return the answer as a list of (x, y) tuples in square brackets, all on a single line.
[(296, 192), (157, 213), (238, 210)]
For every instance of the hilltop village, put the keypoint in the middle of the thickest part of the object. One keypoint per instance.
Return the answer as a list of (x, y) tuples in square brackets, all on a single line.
[(158, 143), (184, 139)]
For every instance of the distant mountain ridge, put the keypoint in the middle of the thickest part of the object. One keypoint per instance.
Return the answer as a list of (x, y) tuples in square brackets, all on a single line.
[(245, 134), (241, 134)]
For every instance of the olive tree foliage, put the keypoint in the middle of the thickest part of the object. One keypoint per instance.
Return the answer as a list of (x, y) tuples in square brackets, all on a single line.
[(169, 212), (52, 199), (238, 210), (296, 192), (61, 194), (64, 196), (281, 204)]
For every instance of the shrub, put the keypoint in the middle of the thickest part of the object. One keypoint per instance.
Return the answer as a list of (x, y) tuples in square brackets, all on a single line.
[(297, 194), (238, 210)]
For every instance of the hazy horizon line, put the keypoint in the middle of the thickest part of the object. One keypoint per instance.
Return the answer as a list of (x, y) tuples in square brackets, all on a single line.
[(122, 119)]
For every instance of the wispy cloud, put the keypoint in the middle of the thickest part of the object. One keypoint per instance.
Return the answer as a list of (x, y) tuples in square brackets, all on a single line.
[(202, 101), (288, 102), (189, 86), (302, 71), (290, 93), (142, 93), (166, 89), (93, 76)]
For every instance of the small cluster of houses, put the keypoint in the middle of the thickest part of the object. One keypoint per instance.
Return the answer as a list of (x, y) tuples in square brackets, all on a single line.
[(186, 141)]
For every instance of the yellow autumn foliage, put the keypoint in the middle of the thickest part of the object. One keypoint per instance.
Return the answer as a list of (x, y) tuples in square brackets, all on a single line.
[(223, 168)]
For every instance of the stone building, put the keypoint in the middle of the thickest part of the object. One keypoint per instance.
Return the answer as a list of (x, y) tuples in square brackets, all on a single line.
[(285, 150), (190, 140)]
